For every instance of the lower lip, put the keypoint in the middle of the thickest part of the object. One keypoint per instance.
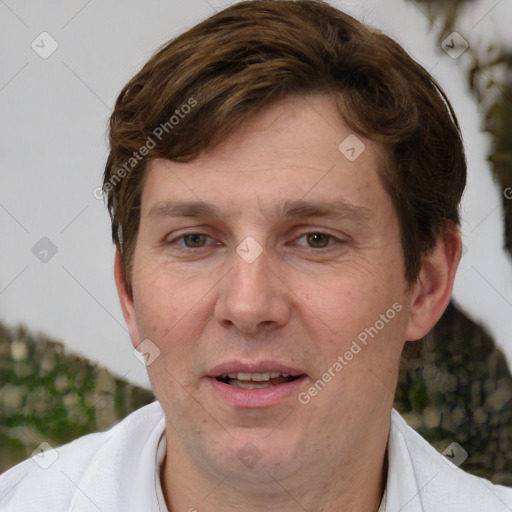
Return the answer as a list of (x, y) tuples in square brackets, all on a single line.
[(254, 398)]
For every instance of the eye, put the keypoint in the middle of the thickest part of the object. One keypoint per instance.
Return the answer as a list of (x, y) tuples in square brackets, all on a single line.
[(318, 240), (191, 240)]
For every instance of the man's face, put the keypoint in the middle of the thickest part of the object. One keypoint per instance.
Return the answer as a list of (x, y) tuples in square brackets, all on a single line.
[(328, 287)]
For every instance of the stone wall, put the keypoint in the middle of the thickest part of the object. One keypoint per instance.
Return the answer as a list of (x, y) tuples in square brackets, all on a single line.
[(454, 387), (48, 395)]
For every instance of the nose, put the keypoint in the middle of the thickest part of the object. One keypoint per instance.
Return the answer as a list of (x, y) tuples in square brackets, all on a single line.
[(252, 296)]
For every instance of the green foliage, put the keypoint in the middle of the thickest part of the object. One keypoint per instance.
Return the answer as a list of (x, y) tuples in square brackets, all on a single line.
[(418, 394), (48, 395)]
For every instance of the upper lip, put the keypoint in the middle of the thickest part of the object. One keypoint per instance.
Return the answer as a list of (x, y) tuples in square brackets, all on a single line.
[(253, 367)]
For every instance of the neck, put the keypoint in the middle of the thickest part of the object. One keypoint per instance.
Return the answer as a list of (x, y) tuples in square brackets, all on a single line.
[(358, 483)]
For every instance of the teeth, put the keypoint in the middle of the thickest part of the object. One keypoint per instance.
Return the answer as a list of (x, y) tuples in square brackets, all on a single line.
[(247, 376), (249, 385), (256, 377), (259, 377)]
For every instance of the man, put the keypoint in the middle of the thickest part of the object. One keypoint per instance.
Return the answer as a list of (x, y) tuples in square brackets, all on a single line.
[(284, 184)]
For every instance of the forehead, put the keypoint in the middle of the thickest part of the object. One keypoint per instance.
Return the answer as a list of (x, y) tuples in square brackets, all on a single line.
[(295, 148)]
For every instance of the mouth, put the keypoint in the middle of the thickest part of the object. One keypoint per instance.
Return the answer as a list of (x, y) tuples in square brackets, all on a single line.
[(263, 384)]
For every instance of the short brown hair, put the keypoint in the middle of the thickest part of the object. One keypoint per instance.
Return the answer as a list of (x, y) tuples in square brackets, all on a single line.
[(254, 53)]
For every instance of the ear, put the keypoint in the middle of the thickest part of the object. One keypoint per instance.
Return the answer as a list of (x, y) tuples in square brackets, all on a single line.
[(126, 300), (433, 290)]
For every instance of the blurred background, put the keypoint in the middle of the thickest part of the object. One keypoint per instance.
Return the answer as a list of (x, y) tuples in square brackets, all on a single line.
[(67, 366)]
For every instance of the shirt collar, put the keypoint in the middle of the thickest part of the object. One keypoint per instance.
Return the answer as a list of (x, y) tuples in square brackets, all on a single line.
[(159, 500)]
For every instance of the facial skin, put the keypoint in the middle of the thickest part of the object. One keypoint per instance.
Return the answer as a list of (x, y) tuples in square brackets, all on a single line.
[(301, 302)]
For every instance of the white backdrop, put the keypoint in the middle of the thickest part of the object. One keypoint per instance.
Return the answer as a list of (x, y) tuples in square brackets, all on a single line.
[(63, 64)]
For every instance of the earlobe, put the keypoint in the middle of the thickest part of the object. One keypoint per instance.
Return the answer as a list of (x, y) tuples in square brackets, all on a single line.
[(125, 299), (433, 290)]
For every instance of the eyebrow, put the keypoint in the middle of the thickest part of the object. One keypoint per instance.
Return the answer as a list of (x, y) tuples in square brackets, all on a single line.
[(335, 210)]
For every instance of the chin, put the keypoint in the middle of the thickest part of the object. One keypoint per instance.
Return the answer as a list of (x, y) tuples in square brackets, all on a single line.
[(261, 457)]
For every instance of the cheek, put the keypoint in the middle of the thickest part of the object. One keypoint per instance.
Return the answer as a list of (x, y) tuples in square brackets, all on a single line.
[(371, 313), (163, 308)]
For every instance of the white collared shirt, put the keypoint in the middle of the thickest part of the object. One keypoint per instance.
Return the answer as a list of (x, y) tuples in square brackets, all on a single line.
[(119, 470)]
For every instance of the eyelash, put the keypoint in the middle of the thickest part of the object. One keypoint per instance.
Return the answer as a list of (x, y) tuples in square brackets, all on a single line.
[(331, 238)]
